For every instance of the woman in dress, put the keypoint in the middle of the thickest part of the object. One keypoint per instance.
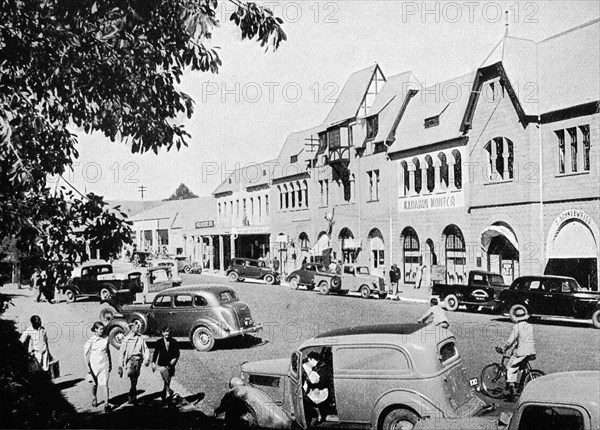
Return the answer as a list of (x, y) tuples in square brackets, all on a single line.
[(97, 360)]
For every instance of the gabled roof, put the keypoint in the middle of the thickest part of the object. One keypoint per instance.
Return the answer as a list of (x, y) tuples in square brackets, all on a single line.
[(448, 100), (251, 175), (352, 95), (388, 103), (181, 213), (297, 143)]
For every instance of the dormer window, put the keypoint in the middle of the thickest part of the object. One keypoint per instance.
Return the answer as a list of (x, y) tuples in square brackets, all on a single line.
[(433, 121), (372, 126), (333, 137)]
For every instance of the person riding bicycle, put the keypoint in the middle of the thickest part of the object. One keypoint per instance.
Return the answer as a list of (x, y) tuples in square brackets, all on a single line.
[(437, 314), (522, 338)]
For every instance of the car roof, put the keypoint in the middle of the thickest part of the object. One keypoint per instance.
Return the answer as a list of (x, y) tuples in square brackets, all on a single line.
[(369, 330), (216, 289), (575, 387), (246, 259), (520, 278), (92, 263)]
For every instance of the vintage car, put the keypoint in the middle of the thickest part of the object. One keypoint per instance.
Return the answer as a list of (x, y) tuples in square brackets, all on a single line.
[(198, 313), (141, 258), (353, 279), (384, 377), (566, 400), (305, 276), (97, 279), (172, 265), (556, 296), (482, 290), (185, 265), (242, 268)]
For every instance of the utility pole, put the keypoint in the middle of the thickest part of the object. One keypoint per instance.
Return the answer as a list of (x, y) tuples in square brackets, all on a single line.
[(142, 189)]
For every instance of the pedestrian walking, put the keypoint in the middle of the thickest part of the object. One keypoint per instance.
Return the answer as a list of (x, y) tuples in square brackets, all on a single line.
[(420, 275), (338, 267), (96, 353), (275, 265), (35, 340), (48, 281), (35, 278), (435, 315), (165, 357), (132, 354)]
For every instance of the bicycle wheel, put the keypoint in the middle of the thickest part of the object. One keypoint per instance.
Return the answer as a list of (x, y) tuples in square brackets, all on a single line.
[(531, 375), (493, 381)]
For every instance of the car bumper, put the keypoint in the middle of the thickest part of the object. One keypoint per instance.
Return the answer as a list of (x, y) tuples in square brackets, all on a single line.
[(246, 330)]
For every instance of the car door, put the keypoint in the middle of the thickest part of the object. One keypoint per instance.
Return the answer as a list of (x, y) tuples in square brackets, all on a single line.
[(183, 314), (161, 314), (297, 391), (560, 300), (87, 280), (534, 293), (349, 280), (307, 274)]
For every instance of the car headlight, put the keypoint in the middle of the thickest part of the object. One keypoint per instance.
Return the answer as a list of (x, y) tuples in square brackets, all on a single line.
[(235, 382)]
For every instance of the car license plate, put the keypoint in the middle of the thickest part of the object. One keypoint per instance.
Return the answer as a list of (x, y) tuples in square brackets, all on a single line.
[(473, 382)]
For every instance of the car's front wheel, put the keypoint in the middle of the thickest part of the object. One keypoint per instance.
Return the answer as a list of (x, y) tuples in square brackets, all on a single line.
[(107, 313), (269, 279), (596, 319), (451, 302), (69, 295), (203, 339), (117, 334), (294, 283), (105, 293), (324, 287), (233, 277), (400, 419), (365, 292)]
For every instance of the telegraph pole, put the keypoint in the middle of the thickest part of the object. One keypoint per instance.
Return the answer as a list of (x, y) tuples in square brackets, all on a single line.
[(142, 189)]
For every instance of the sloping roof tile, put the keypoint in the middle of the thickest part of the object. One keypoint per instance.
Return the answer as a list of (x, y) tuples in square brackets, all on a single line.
[(297, 143), (181, 213)]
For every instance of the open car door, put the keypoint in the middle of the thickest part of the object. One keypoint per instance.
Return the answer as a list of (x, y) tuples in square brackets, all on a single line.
[(297, 391)]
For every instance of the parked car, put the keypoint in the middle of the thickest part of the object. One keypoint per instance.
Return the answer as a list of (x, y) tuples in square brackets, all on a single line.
[(305, 275), (566, 400), (384, 377), (186, 265), (551, 296), (97, 279), (198, 313), (173, 265), (353, 279), (482, 290), (242, 268)]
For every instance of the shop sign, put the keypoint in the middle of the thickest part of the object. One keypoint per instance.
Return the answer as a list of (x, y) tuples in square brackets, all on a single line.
[(431, 202), (573, 213), (438, 273), (251, 230), (205, 224)]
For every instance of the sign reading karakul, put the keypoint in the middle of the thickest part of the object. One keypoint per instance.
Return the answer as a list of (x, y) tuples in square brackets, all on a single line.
[(439, 201)]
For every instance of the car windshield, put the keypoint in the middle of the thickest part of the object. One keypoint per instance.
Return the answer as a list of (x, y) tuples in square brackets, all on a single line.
[(363, 269), (496, 279), (227, 296)]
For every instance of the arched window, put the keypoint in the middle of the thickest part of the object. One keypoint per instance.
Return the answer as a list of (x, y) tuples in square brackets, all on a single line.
[(457, 169), (430, 174), (280, 197), (349, 246), (405, 179), (444, 174), (418, 175), (455, 255), (286, 196), (411, 251), (304, 242), (299, 194), (377, 249), (292, 195), (305, 192), (500, 154)]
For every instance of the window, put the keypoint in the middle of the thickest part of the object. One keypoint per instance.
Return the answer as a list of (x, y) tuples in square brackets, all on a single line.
[(405, 178), (324, 184), (379, 147), (418, 175), (455, 255), (585, 133), (372, 358), (200, 301), (411, 255), (333, 138), (448, 351), (267, 205), (457, 170), (264, 380), (162, 302), (432, 121), (280, 197), (550, 418), (294, 159), (373, 185), (560, 134), (501, 159), (573, 135), (430, 174), (227, 296), (535, 286), (372, 126), (183, 301), (163, 237)]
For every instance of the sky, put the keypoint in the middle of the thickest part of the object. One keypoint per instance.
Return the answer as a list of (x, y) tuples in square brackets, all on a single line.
[(245, 112)]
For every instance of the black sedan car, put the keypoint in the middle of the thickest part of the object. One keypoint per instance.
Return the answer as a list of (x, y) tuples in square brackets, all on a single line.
[(556, 296), (305, 275)]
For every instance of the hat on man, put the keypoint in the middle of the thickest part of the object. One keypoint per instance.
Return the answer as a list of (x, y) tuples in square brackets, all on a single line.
[(519, 314)]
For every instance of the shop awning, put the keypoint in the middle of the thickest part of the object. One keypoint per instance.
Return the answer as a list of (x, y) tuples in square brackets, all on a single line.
[(322, 244), (498, 230)]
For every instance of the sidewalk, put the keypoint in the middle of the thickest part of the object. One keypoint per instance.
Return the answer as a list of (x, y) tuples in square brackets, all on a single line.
[(67, 333), (408, 293)]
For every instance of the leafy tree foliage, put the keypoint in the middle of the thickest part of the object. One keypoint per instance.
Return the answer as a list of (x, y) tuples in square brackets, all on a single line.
[(182, 193), (107, 66)]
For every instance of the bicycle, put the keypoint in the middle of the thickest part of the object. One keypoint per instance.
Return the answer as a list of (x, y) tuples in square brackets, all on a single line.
[(493, 376)]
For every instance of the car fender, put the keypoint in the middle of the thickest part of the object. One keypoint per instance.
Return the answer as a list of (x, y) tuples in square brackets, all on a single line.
[(268, 413), (70, 287), (217, 328), (111, 287), (111, 301), (403, 399)]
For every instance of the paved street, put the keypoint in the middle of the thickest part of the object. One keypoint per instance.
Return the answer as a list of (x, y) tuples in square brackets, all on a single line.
[(293, 316)]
